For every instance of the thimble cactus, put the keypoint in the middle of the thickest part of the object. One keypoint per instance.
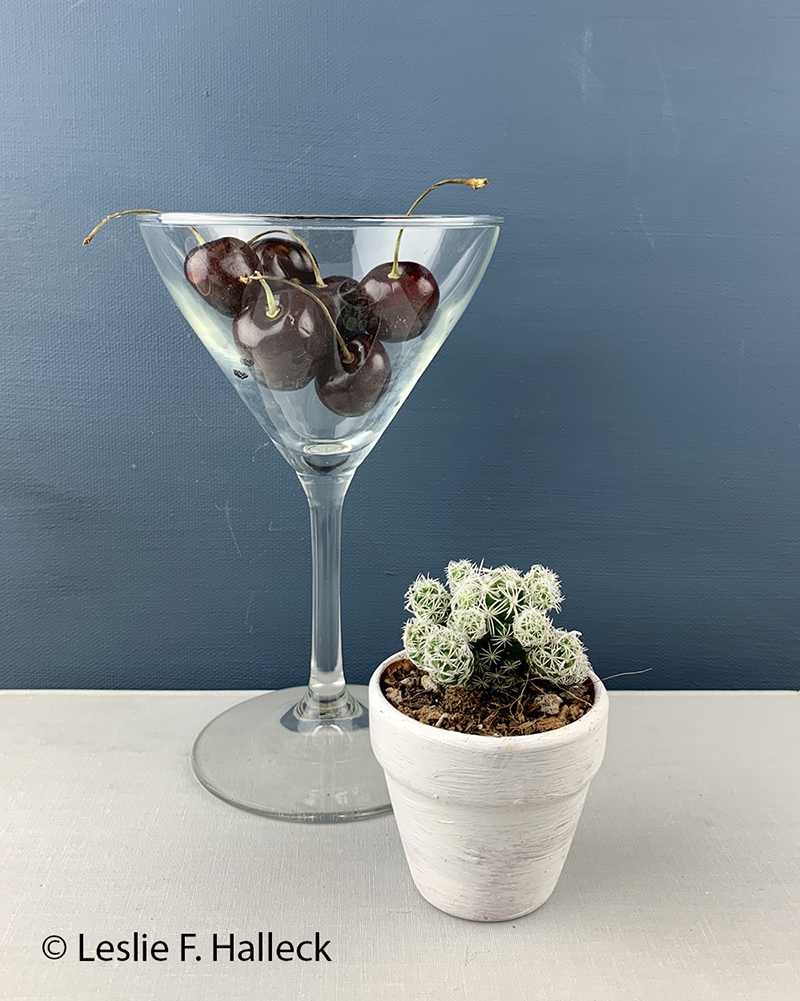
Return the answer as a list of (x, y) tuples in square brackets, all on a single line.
[(428, 599), (448, 657), (489, 628)]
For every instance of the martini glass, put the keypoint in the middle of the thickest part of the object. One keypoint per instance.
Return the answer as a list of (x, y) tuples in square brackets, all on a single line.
[(304, 754)]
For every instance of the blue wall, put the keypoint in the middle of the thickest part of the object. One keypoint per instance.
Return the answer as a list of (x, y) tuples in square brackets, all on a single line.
[(621, 401)]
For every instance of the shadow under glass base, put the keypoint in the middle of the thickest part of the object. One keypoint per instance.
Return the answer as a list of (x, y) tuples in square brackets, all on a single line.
[(260, 757)]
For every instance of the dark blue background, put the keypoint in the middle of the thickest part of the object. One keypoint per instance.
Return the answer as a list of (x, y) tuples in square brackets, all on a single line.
[(620, 402)]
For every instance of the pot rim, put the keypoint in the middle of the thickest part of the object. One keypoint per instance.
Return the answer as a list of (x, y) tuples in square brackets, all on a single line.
[(550, 738)]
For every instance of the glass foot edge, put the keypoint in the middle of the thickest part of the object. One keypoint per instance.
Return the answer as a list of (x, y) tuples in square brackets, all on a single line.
[(248, 759)]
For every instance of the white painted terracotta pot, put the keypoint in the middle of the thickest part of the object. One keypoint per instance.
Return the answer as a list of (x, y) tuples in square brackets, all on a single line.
[(486, 822)]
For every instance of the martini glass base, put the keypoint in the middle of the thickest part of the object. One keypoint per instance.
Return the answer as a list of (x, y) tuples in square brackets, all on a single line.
[(260, 757)]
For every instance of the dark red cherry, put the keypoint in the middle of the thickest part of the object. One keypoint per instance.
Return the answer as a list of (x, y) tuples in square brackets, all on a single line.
[(344, 301), (282, 352), (213, 269), (284, 259), (399, 308), (352, 388)]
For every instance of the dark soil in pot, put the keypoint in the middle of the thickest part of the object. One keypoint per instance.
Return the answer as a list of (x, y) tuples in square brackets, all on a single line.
[(539, 706)]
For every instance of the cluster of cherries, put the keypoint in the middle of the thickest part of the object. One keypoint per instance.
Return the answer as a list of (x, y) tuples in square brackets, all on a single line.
[(293, 326)]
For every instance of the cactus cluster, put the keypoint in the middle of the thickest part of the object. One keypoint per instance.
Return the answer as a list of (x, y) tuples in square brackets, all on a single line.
[(489, 628)]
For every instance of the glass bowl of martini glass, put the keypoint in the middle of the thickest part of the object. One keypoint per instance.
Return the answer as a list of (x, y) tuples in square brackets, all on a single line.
[(322, 325)]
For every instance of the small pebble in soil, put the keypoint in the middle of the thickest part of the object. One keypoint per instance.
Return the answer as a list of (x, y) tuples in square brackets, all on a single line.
[(548, 704)]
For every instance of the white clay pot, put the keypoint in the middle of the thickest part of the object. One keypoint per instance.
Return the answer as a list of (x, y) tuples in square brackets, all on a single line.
[(486, 822)]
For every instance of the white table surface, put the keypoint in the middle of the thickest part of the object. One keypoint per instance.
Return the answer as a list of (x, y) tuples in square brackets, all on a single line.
[(682, 881)]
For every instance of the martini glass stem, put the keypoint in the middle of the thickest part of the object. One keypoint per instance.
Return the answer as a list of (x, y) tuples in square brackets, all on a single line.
[(327, 697)]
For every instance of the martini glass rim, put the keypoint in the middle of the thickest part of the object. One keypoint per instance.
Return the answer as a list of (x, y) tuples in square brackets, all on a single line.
[(320, 221)]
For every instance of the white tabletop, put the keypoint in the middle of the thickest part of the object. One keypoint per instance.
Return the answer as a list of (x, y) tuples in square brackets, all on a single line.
[(682, 881)]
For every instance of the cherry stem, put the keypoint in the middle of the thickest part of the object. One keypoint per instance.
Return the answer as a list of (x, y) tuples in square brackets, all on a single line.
[(347, 355), (116, 215), (473, 182), (273, 309), (294, 236)]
